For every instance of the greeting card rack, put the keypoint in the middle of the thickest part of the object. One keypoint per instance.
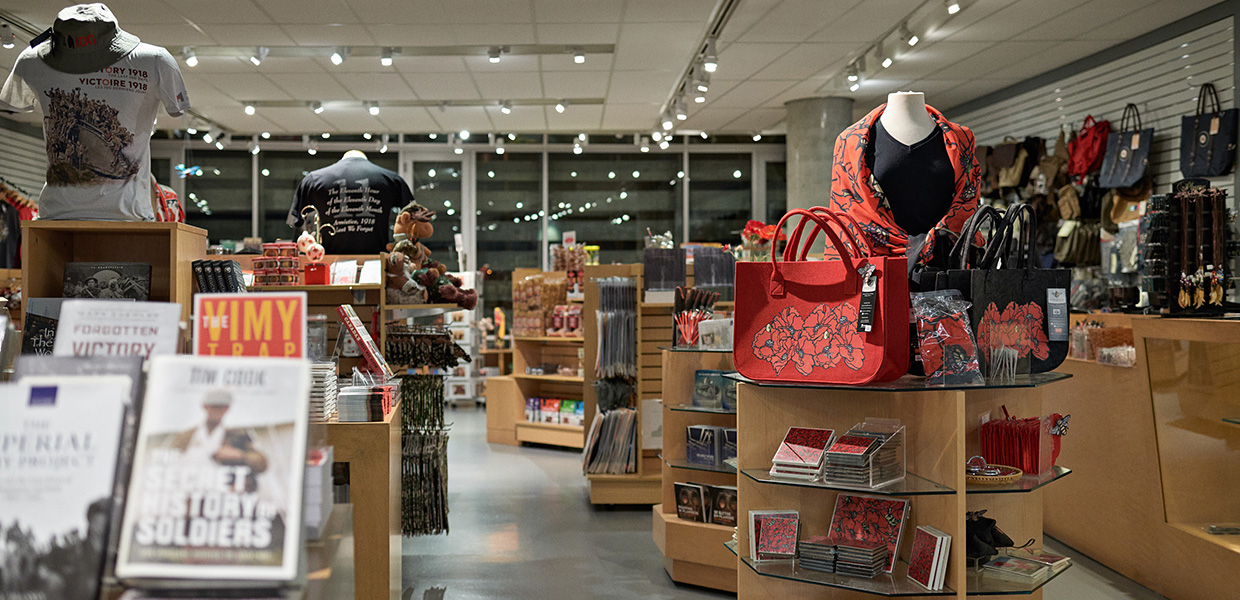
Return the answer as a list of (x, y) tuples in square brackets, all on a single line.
[(942, 432), (693, 552)]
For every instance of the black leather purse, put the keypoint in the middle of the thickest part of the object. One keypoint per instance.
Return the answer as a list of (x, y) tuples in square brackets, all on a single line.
[(1208, 138), (983, 538), (1128, 152)]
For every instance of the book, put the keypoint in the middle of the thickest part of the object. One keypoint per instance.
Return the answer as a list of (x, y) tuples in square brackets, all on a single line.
[(756, 520), (58, 462), (229, 434), (1056, 562), (923, 558), (722, 504), (42, 320), (551, 411), (115, 328), (728, 443), (690, 503), (361, 335), (251, 324), (216, 275), (108, 280), (778, 537), (236, 276), (708, 388), (702, 445), (870, 518), (803, 446), (1011, 568), (200, 276)]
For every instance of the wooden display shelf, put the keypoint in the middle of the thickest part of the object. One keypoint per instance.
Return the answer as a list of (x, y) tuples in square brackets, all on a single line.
[(912, 485), (625, 489), (1024, 485), (1198, 530), (981, 584), (547, 338), (712, 565), (439, 308), (316, 288), (567, 436), (724, 305), (558, 378), (495, 351), (895, 583)]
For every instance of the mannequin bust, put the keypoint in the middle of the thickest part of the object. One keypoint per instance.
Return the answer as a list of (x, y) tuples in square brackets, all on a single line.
[(905, 117), (355, 154)]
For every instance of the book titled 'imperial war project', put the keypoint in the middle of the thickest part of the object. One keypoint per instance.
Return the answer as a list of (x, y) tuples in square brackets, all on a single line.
[(58, 452), (216, 490)]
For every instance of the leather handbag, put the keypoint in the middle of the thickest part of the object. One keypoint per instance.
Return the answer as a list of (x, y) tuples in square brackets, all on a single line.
[(1208, 137), (1086, 150), (825, 321), (1128, 152)]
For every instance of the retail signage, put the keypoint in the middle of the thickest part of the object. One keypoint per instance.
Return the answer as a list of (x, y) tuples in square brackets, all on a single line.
[(267, 324), (117, 328), (569, 238)]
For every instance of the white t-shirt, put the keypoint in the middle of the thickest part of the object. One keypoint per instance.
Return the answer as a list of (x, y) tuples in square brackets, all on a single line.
[(97, 128)]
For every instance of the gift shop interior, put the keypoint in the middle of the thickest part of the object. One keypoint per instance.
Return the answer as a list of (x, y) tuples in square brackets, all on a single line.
[(561, 299)]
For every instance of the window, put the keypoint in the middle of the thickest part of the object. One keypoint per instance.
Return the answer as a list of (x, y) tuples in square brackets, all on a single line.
[(509, 222), (776, 190), (279, 174), (437, 186), (610, 200), (720, 197), (219, 199)]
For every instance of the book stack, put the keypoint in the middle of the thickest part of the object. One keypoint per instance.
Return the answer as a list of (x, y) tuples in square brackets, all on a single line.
[(817, 554), (611, 445), (800, 455), (218, 276), (318, 490), (773, 534), (323, 392), (1019, 570), (860, 557), (360, 403), (1055, 562), (870, 520), (928, 558), (869, 455)]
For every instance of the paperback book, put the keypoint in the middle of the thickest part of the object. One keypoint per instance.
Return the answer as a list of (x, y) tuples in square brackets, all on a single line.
[(42, 321), (690, 505), (703, 445), (107, 280), (1010, 568), (923, 564), (1056, 562), (216, 491), (722, 504), (58, 459), (252, 324), (112, 328)]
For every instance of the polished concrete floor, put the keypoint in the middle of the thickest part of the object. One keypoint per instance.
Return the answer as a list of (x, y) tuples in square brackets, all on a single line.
[(522, 527)]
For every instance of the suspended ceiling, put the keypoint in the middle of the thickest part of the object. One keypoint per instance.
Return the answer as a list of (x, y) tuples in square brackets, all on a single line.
[(770, 52)]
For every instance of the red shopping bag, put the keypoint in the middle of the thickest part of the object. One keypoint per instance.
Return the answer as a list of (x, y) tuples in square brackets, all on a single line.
[(832, 322)]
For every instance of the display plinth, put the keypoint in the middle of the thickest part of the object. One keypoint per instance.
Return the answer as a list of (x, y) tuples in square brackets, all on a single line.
[(706, 562), (942, 431), (329, 559)]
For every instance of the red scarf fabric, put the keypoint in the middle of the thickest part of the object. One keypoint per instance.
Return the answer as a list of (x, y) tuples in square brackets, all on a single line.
[(855, 190)]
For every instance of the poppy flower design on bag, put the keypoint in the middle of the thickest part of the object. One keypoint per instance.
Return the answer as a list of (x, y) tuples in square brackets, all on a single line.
[(826, 337), (1018, 326)]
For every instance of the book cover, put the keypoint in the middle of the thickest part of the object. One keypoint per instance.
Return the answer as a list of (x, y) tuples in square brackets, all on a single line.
[(779, 536), (708, 389), (690, 504), (1055, 561), (107, 280), (755, 529), (722, 504), (870, 518), (922, 564), (551, 411), (853, 444), (728, 445), (1015, 568), (200, 276), (42, 320), (58, 458), (361, 335), (803, 446), (236, 277), (114, 328), (217, 485), (216, 276), (702, 444), (944, 556), (251, 324)]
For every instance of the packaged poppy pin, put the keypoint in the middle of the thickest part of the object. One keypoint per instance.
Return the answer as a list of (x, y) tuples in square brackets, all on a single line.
[(944, 338)]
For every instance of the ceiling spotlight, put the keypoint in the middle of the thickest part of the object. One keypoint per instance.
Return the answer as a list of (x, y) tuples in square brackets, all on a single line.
[(953, 7), (493, 54), (339, 55), (249, 108), (317, 107), (367, 136), (207, 137), (385, 57), (710, 61), (219, 145), (579, 56), (383, 149), (559, 106), (886, 62), (703, 134), (663, 145), (667, 122), (463, 135), (506, 107), (577, 148), (645, 144), (254, 149), (191, 59), (326, 135), (433, 136), (852, 73), (656, 135), (512, 137), (266, 135), (7, 38), (699, 98), (854, 87), (260, 54), (757, 137), (312, 150), (499, 149), (678, 107), (373, 108), (193, 127), (581, 137), (701, 80), (908, 36), (458, 150)]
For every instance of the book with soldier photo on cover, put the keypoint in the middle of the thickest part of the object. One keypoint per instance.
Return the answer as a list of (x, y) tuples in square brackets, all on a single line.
[(216, 489), (108, 280)]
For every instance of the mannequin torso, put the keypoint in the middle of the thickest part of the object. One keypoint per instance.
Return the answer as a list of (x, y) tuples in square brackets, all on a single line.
[(905, 117)]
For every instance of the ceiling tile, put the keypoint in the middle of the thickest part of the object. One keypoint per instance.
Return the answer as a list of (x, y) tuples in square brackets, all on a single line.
[(797, 20), (564, 62), (757, 119), (173, 35), (217, 64), (407, 119), (742, 60), (712, 119), (471, 11), (309, 11), (749, 94), (661, 45), (443, 86), (508, 63), (310, 87), (628, 87), (806, 60), (523, 118), (746, 16), (577, 33), (950, 56), (273, 64), (803, 89), (295, 120), (429, 64), (576, 118), (629, 117), (577, 11), (245, 35), (216, 11), (250, 86), (352, 119), (473, 118), (659, 11), (509, 85), (493, 34), (1134, 23), (1012, 20), (978, 10), (586, 84), (389, 34), (328, 35), (375, 86)]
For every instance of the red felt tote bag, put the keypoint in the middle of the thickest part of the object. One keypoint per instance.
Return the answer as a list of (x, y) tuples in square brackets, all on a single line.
[(829, 322)]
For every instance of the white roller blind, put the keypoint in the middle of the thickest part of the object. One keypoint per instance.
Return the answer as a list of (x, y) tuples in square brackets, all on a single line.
[(1161, 80)]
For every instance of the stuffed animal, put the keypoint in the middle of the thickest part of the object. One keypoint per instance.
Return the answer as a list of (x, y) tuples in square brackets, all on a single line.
[(412, 271)]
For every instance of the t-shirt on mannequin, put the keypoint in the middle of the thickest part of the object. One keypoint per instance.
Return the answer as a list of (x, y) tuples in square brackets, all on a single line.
[(356, 197), (908, 156)]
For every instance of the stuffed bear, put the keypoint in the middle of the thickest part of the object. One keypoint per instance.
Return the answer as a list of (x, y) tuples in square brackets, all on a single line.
[(412, 272)]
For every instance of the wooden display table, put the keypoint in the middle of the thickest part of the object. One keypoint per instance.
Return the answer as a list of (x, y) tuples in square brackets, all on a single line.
[(373, 451)]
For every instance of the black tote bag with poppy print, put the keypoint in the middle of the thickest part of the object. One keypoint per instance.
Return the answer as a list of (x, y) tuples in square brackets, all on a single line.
[(1017, 304)]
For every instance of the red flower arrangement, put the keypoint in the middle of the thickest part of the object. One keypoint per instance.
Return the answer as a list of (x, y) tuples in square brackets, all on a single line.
[(825, 338), (757, 233), (1018, 326)]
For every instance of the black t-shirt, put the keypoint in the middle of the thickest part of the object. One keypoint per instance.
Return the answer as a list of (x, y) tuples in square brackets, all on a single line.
[(918, 180), (358, 198)]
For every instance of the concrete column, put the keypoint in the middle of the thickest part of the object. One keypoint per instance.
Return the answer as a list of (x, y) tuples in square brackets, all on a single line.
[(813, 125)]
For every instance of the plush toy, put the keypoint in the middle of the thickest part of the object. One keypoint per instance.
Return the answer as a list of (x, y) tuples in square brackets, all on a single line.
[(401, 287), (411, 270)]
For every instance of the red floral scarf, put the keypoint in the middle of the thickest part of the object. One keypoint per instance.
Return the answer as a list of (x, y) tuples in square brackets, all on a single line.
[(855, 190)]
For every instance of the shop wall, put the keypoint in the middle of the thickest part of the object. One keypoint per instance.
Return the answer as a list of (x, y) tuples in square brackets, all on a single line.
[(24, 159), (1161, 79)]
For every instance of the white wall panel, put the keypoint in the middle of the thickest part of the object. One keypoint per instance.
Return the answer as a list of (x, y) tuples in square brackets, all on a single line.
[(23, 160)]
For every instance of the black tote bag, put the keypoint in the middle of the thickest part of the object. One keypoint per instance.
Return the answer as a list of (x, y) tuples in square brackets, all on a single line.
[(1128, 152), (1208, 138), (1019, 293)]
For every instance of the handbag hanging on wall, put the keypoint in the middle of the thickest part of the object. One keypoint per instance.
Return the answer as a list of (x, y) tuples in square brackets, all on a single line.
[(1128, 152), (832, 322), (1086, 150), (1208, 138)]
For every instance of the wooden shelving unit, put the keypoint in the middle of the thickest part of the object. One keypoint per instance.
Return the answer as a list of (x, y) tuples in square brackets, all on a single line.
[(942, 432), (692, 552)]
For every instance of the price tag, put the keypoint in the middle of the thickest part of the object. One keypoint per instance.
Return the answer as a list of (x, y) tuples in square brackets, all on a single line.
[(1136, 140), (1056, 314), (1214, 126)]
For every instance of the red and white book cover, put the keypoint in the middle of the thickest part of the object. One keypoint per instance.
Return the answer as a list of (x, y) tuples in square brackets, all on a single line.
[(852, 444), (922, 564), (871, 518), (803, 446)]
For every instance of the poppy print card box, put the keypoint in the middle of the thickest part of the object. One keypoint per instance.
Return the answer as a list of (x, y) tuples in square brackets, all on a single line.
[(869, 518)]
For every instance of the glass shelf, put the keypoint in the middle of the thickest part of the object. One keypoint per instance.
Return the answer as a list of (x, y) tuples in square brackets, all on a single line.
[(1025, 484), (701, 409), (731, 546), (1233, 421), (684, 464), (912, 485), (896, 583), (909, 383), (689, 349), (978, 583)]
